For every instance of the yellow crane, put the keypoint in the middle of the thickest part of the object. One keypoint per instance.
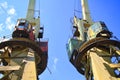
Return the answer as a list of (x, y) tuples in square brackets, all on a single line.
[(92, 50), (24, 57)]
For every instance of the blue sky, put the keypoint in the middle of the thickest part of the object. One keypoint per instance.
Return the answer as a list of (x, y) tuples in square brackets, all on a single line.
[(55, 16)]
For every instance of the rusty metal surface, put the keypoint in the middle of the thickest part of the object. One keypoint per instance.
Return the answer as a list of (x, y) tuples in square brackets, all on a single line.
[(30, 44), (77, 62)]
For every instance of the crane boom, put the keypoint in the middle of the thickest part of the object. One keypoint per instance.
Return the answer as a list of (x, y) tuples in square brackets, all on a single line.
[(30, 11), (85, 11), (35, 22)]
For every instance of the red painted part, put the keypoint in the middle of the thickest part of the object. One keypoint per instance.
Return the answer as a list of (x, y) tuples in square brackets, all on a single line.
[(20, 29), (43, 46), (31, 36)]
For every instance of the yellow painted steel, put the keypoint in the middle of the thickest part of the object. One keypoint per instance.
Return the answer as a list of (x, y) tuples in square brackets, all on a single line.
[(85, 11), (23, 68), (2, 68), (101, 68), (29, 72)]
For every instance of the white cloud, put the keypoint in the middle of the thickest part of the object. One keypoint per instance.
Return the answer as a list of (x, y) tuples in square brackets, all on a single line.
[(1, 11), (1, 26), (11, 11), (4, 5), (9, 24), (55, 63), (55, 60), (8, 19)]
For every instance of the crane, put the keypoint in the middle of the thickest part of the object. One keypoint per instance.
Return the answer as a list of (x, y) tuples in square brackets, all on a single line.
[(25, 55), (92, 49)]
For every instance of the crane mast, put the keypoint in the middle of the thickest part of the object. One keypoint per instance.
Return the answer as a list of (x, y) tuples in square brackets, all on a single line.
[(31, 9), (24, 57), (30, 17), (92, 50), (85, 11)]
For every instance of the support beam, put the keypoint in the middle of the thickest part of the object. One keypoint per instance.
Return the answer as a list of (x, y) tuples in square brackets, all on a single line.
[(85, 11), (29, 72), (99, 69), (3, 68)]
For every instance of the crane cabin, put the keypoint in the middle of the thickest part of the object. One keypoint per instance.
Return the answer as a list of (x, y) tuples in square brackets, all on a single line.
[(23, 29)]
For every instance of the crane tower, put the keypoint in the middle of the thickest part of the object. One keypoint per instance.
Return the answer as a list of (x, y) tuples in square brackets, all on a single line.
[(24, 56), (92, 50)]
